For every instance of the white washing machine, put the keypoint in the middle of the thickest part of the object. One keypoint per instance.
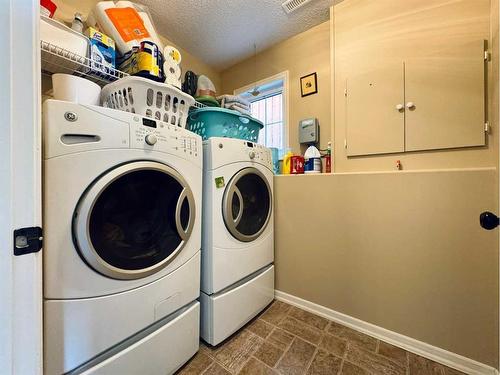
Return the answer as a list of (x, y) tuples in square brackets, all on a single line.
[(122, 236), (238, 236)]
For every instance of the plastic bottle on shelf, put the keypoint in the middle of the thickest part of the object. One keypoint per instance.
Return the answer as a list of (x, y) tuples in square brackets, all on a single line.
[(77, 23), (312, 158), (328, 158), (276, 160), (287, 159)]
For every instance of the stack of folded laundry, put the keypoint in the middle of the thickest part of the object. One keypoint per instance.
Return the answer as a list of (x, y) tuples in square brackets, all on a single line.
[(235, 103)]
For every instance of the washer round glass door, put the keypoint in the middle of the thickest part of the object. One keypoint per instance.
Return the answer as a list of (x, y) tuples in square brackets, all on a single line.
[(133, 220), (247, 204)]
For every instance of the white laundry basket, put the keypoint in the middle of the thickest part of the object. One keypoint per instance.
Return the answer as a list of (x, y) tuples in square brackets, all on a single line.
[(148, 98)]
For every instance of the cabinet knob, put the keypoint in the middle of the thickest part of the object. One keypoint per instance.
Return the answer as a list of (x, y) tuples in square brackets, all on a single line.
[(400, 107), (488, 220), (410, 105)]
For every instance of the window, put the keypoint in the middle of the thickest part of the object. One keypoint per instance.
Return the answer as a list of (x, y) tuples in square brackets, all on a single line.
[(269, 110), (270, 107)]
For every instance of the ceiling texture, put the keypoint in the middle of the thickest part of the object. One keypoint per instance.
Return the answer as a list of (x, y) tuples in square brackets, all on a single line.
[(223, 32)]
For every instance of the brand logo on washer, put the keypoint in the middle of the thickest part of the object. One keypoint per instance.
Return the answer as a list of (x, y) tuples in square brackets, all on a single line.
[(71, 116)]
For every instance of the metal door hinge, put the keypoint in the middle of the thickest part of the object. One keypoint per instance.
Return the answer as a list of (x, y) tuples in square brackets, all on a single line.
[(345, 143), (486, 127), (345, 92), (27, 240), (487, 55)]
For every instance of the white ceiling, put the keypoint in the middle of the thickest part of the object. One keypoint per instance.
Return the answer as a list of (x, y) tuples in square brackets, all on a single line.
[(222, 32)]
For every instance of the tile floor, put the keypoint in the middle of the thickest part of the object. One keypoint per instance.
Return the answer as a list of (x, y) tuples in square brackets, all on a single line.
[(287, 340)]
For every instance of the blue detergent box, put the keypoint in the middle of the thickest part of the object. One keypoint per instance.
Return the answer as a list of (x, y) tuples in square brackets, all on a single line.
[(102, 52)]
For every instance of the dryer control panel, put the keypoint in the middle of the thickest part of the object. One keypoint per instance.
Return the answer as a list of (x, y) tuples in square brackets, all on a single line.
[(156, 135), (258, 153), (222, 151)]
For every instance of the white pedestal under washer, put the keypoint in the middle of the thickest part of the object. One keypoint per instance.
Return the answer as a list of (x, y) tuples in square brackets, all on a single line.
[(122, 234), (238, 235)]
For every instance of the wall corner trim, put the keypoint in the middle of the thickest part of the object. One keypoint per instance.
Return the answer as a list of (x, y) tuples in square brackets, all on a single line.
[(421, 348)]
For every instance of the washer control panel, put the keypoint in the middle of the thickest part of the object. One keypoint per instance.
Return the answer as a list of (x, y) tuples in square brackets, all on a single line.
[(151, 139), (156, 135)]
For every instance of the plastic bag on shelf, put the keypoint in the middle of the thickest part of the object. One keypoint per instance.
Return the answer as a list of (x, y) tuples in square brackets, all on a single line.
[(127, 23)]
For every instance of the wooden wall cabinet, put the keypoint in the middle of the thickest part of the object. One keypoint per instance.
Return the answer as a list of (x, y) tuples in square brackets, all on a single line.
[(449, 100), (419, 104), (388, 54), (374, 124)]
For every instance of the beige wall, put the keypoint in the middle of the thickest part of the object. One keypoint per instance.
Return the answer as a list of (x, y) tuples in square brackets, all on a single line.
[(305, 53), (190, 62), (67, 8), (403, 251), (369, 33)]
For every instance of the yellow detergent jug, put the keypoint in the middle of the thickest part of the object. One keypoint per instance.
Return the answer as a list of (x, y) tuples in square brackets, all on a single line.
[(287, 165)]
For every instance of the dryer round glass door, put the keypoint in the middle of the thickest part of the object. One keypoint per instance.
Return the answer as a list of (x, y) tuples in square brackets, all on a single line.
[(247, 204), (132, 221)]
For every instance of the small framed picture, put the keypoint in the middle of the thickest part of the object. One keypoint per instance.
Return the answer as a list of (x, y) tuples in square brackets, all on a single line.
[(309, 84)]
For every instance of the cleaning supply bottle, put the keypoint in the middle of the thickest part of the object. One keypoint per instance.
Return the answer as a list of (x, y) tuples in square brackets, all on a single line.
[(312, 158), (77, 23), (287, 162), (328, 158)]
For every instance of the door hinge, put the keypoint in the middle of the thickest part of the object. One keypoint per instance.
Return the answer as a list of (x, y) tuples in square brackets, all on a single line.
[(27, 240), (345, 92), (486, 127), (487, 55), (345, 143)]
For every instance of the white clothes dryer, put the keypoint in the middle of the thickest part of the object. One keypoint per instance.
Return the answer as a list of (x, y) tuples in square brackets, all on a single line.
[(238, 235), (122, 234)]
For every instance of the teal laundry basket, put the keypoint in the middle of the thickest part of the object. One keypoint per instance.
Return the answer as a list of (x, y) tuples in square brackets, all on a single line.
[(221, 122)]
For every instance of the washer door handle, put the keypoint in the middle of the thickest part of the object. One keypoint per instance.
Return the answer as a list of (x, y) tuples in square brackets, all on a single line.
[(183, 232), (240, 211)]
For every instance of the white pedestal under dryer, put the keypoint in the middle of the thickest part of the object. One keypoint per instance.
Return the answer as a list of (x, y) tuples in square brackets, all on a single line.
[(238, 236), (122, 234)]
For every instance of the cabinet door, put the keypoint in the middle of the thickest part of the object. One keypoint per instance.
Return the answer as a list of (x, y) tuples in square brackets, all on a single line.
[(374, 123), (445, 99)]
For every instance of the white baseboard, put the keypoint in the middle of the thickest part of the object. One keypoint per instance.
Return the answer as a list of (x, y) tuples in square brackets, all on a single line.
[(423, 349)]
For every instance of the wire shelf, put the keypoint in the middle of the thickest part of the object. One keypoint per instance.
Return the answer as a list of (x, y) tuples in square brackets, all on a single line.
[(198, 105), (59, 60)]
